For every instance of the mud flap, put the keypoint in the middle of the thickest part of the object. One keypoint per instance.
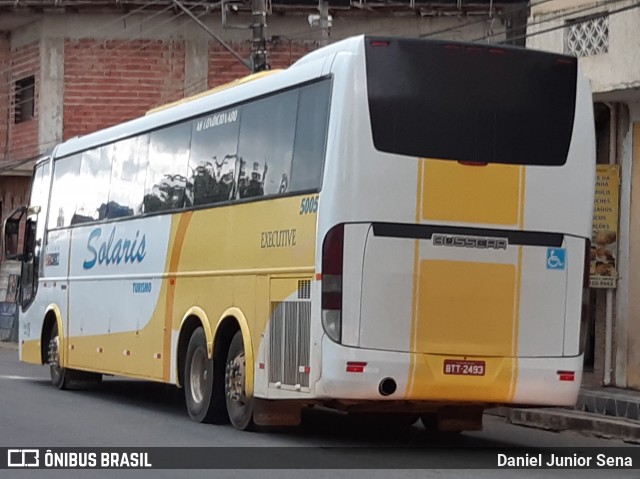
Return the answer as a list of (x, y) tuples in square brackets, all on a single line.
[(277, 413)]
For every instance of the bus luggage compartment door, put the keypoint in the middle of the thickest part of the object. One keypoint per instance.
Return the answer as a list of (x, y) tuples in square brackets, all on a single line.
[(483, 296)]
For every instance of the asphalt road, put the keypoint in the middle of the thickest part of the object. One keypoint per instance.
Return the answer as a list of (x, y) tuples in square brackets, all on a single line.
[(126, 413)]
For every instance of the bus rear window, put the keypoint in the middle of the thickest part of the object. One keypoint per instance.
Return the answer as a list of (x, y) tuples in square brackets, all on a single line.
[(468, 102)]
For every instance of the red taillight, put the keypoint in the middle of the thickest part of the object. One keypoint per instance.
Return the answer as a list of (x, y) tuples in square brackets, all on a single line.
[(497, 51), (379, 43), (332, 251), (331, 299), (566, 375), (332, 254), (356, 366)]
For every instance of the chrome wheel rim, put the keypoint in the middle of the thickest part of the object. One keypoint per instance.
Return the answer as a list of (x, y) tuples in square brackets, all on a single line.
[(198, 374), (54, 357), (235, 379)]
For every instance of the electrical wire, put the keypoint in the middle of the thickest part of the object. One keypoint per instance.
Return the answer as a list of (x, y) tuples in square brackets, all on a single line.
[(561, 16)]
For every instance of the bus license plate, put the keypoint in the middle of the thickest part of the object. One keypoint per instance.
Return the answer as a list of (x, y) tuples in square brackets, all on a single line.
[(463, 367)]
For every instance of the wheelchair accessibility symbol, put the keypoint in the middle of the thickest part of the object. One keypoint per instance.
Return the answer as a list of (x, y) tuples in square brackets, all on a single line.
[(556, 258)]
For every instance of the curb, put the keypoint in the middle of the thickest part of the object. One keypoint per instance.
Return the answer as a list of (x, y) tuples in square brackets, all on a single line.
[(591, 424)]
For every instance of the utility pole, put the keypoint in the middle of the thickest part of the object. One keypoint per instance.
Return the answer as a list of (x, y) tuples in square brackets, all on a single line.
[(323, 7), (178, 4), (259, 61)]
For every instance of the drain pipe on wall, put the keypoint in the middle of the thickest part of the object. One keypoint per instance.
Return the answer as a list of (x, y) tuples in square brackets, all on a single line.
[(608, 335)]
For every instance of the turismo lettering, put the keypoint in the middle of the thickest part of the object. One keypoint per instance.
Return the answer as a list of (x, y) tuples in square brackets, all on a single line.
[(114, 250), (144, 287)]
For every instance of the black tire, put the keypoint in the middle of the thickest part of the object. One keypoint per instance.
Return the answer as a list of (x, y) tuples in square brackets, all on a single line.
[(65, 378), (203, 405), (239, 406), (430, 421), (58, 374)]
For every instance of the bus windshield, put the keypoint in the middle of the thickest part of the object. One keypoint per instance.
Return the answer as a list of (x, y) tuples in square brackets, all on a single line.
[(475, 103)]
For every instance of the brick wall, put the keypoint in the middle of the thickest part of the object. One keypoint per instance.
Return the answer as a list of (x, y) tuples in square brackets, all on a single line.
[(5, 65), (224, 67), (108, 83), (23, 137), (283, 54), (14, 192)]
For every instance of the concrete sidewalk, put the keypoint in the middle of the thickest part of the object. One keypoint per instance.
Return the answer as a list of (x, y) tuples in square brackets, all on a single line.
[(602, 412), (8, 345)]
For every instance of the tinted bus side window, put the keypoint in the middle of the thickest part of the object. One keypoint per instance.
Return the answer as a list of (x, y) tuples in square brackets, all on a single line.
[(212, 163), (311, 136), (166, 179), (265, 150), (130, 160), (66, 172), (92, 188)]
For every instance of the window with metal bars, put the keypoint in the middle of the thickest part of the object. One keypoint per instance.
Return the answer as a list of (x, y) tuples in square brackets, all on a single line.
[(588, 36), (24, 99)]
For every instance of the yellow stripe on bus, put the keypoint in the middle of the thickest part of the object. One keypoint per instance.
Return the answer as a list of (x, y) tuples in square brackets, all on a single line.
[(465, 308), (416, 261), (485, 195), (516, 315), (174, 262), (460, 308)]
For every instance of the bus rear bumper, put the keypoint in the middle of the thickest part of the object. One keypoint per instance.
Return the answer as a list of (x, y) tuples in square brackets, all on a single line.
[(354, 374)]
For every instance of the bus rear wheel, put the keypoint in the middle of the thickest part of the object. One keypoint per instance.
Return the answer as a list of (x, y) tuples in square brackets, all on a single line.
[(203, 404), (239, 406), (64, 378)]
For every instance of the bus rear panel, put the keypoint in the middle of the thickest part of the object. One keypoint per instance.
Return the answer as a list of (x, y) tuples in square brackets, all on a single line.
[(464, 208)]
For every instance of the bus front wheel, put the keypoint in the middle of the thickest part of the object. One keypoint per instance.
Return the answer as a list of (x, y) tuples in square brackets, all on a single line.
[(239, 406), (65, 378), (58, 373)]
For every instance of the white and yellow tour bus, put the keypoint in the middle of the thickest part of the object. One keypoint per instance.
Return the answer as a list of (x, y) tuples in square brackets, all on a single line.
[(391, 226)]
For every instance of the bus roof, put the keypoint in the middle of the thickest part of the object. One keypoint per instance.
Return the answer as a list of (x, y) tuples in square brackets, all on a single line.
[(224, 86)]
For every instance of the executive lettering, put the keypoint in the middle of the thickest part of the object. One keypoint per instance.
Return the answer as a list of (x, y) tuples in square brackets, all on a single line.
[(278, 239)]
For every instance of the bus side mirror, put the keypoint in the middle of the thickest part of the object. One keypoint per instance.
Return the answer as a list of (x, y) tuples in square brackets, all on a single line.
[(11, 235)]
